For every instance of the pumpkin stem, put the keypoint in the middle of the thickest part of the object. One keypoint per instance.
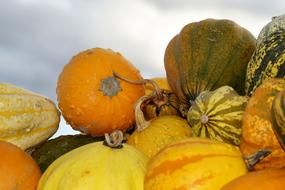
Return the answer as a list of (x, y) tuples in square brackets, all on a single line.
[(114, 140), (157, 89), (141, 122), (253, 159)]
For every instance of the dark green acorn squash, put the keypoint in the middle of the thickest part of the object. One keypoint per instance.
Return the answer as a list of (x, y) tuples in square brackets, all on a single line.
[(206, 55), (49, 151), (268, 60)]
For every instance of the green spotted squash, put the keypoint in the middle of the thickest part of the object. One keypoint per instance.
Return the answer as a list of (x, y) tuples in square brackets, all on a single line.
[(218, 115), (206, 55), (268, 60)]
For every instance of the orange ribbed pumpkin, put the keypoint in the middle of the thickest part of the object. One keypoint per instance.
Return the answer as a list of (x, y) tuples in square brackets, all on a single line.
[(17, 169), (257, 131), (91, 98), (259, 180)]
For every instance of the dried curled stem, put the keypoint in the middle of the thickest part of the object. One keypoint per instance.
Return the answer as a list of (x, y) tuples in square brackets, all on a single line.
[(114, 140)]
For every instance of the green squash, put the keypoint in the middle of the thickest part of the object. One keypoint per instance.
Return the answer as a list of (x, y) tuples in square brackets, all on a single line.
[(268, 60), (218, 115), (206, 55), (49, 151)]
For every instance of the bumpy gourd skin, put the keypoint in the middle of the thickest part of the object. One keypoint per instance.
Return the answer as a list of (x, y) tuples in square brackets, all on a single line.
[(206, 55), (194, 163), (90, 97), (257, 131)]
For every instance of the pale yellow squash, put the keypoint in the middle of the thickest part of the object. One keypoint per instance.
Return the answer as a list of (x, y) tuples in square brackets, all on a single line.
[(96, 166), (26, 118)]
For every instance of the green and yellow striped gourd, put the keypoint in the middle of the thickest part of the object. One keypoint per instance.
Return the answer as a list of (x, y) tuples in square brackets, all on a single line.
[(218, 115), (268, 60)]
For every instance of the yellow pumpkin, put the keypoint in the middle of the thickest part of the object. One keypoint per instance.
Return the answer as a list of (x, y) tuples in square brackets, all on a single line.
[(151, 136), (26, 118), (194, 163), (97, 166)]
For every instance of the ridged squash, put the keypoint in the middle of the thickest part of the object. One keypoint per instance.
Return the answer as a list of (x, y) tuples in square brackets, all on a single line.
[(257, 131), (268, 60), (259, 180), (218, 115), (278, 117), (194, 163), (206, 55), (47, 152), (150, 136), (26, 118)]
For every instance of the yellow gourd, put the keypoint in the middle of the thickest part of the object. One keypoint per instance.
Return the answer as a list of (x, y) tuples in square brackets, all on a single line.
[(105, 166), (160, 81), (26, 118), (150, 136), (197, 163)]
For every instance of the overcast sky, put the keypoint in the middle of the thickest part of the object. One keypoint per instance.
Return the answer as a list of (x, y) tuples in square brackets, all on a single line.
[(37, 37)]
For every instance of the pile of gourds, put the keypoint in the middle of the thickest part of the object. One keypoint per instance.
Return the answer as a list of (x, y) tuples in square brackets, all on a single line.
[(216, 121)]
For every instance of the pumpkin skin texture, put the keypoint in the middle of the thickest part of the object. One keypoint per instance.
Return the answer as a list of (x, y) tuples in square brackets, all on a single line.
[(47, 152), (194, 60), (17, 169), (268, 60), (218, 115), (26, 118), (96, 166), (278, 117), (257, 132), (270, 179), (160, 132), (91, 98), (194, 163)]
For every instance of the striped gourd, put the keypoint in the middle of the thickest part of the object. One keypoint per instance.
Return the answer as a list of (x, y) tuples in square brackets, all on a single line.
[(278, 117), (195, 163), (268, 60), (26, 118), (218, 115)]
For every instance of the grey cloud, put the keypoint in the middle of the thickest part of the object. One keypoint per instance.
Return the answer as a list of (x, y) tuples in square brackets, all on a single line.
[(263, 8)]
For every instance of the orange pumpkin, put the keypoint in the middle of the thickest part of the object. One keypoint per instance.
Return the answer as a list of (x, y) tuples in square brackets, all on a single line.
[(257, 132), (91, 98), (259, 180), (160, 81), (17, 169)]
